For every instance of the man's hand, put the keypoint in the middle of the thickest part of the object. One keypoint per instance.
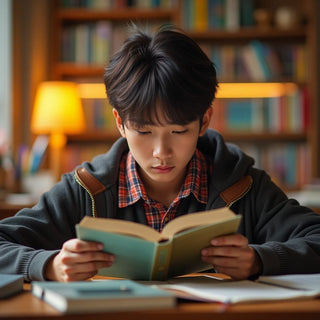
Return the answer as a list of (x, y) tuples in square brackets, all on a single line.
[(78, 260), (232, 256)]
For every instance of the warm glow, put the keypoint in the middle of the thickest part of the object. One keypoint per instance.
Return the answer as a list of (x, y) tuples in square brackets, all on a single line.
[(92, 90), (57, 109), (226, 90), (255, 90)]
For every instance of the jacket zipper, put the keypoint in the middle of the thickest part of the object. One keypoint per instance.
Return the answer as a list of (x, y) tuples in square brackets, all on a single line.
[(93, 207)]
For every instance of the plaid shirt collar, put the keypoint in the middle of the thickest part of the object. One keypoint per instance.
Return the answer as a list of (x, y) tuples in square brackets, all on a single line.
[(131, 188)]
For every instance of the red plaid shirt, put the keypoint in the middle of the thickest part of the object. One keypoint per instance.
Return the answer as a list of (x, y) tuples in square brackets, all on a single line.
[(131, 189)]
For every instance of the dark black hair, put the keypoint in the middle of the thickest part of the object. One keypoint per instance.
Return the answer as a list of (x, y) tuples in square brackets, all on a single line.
[(165, 68)]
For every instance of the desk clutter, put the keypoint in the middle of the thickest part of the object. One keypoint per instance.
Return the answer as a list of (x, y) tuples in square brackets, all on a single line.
[(105, 295)]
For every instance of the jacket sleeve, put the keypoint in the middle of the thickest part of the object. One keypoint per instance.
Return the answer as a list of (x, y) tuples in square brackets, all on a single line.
[(285, 235), (30, 238)]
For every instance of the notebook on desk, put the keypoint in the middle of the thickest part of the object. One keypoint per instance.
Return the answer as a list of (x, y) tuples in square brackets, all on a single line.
[(101, 296), (10, 284), (267, 288)]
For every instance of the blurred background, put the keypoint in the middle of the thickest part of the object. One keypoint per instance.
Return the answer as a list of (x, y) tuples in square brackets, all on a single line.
[(267, 57)]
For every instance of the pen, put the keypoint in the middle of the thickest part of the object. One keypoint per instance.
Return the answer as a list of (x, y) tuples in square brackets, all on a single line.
[(104, 290)]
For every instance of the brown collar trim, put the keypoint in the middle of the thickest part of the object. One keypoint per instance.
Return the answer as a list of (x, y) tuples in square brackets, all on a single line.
[(93, 185), (237, 190)]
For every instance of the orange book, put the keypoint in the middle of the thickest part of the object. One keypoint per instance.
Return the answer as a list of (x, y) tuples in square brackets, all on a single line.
[(201, 21)]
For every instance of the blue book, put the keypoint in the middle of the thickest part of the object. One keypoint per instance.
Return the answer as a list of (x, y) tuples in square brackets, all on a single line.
[(10, 284), (260, 52), (239, 115), (101, 296)]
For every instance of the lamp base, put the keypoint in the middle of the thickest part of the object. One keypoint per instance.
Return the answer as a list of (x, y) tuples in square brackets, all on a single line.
[(57, 144)]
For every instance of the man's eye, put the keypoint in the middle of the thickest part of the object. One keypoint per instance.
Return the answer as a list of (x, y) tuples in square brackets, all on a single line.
[(180, 131), (143, 132)]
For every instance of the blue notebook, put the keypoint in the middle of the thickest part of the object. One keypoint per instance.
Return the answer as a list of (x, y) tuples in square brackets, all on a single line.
[(10, 284), (101, 296)]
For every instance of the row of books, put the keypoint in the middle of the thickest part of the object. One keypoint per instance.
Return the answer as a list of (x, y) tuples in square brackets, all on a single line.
[(285, 114), (258, 61), (98, 115), (117, 4), (288, 164), (92, 43), (88, 43), (202, 15), (74, 153)]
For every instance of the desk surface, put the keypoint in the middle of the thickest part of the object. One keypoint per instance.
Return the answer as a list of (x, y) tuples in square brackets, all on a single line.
[(26, 306)]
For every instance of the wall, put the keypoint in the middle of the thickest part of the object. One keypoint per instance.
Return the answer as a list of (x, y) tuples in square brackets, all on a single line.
[(5, 66), (31, 48)]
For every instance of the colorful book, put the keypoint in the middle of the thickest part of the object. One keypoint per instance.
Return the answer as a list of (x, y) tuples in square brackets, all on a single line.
[(101, 296), (201, 22), (142, 253), (232, 14)]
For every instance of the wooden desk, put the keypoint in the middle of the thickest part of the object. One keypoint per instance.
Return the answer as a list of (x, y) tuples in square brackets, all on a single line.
[(25, 306), (9, 210)]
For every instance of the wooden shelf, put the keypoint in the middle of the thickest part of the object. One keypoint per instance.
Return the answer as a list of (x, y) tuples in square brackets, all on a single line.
[(116, 14), (79, 70), (300, 35)]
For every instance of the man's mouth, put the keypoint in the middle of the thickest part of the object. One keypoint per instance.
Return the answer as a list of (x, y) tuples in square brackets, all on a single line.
[(162, 169)]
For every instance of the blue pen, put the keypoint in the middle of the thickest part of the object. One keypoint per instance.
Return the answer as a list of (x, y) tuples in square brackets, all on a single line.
[(104, 290)]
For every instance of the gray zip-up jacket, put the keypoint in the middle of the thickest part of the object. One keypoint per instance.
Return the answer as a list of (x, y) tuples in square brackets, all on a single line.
[(285, 235)]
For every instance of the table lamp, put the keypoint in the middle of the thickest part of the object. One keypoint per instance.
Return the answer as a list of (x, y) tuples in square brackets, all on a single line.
[(57, 111)]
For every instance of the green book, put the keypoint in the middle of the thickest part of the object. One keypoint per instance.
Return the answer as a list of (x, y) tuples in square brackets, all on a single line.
[(142, 253), (101, 296)]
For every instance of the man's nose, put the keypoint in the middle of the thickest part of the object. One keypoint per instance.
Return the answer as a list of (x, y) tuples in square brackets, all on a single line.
[(162, 148)]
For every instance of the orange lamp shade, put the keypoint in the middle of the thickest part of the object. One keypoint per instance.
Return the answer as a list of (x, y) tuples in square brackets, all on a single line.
[(57, 109)]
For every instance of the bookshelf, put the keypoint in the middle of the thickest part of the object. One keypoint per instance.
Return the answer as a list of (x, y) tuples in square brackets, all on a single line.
[(293, 52)]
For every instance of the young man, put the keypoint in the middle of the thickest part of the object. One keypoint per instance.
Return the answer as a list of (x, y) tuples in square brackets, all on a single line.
[(166, 164)]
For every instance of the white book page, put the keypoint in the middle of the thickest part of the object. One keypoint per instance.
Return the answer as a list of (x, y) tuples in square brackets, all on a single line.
[(295, 281), (228, 291)]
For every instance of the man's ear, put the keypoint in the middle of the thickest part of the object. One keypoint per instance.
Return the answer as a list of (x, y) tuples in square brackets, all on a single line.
[(119, 122), (206, 121)]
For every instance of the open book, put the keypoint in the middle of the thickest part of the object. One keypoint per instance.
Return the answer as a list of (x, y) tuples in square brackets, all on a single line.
[(142, 253), (266, 288)]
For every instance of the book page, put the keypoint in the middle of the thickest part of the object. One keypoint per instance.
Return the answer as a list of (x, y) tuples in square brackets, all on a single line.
[(121, 227), (231, 291), (175, 226), (196, 219), (295, 281)]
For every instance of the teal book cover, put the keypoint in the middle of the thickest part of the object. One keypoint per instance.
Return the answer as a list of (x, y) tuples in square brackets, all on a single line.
[(101, 296), (10, 284)]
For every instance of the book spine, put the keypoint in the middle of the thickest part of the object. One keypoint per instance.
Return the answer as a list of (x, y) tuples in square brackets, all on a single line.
[(161, 261), (201, 15)]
